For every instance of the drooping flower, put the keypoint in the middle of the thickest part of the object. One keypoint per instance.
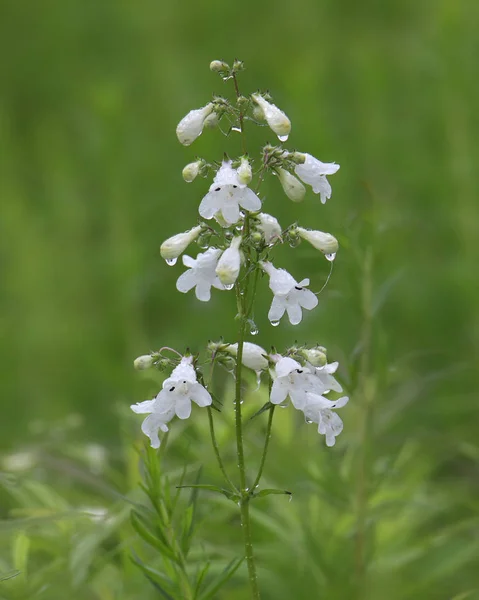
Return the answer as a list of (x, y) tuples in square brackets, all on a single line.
[(292, 187), (179, 390), (289, 295), (191, 126), (269, 227), (318, 410), (313, 172), (295, 381), (253, 355), (324, 242), (226, 195), (229, 264), (175, 246), (201, 274), (275, 117)]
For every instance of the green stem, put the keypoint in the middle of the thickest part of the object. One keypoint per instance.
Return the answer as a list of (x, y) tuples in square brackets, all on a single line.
[(265, 449), (217, 451), (241, 115)]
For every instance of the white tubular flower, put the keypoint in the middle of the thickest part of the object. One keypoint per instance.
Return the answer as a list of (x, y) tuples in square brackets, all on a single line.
[(143, 362), (324, 242), (275, 117), (226, 195), (253, 355), (201, 274), (313, 172), (294, 381), (289, 295), (229, 264), (292, 187), (190, 172), (318, 410), (179, 390), (245, 174), (269, 227), (191, 126), (324, 375), (174, 246)]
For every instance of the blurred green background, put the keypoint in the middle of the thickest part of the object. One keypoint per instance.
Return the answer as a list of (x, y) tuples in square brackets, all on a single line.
[(90, 185)]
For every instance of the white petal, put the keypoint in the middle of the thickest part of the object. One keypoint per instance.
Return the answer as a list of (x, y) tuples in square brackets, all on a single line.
[(203, 291), (230, 211), (150, 428), (330, 367), (209, 205), (144, 407), (285, 366), (188, 261), (307, 299), (184, 371), (281, 282), (225, 175), (200, 395), (279, 391), (186, 281), (183, 407), (295, 313), (249, 200), (278, 306)]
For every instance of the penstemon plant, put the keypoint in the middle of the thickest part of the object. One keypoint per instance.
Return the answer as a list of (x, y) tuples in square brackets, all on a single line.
[(238, 241)]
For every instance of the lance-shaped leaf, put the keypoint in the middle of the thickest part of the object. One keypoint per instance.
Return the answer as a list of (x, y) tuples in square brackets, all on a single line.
[(216, 584), (270, 491), (153, 538)]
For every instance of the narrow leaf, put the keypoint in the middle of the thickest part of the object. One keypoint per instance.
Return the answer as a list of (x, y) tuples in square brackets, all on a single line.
[(141, 527), (227, 573), (270, 491)]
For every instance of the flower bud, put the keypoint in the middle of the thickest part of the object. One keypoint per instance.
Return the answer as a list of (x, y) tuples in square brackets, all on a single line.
[(293, 188), (324, 242), (275, 117), (217, 66), (229, 264), (258, 113), (211, 121), (245, 174), (253, 355), (143, 362), (176, 245), (315, 356), (269, 227), (190, 172), (191, 126)]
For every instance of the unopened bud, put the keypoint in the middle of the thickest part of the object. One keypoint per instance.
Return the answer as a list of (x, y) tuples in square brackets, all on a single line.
[(217, 66), (275, 117), (143, 362), (293, 188), (177, 244), (315, 356), (258, 113), (270, 227), (190, 172), (244, 171), (211, 121), (229, 264), (254, 357), (324, 242), (191, 125)]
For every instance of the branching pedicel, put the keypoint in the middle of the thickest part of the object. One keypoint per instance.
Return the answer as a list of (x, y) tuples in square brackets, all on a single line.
[(236, 251)]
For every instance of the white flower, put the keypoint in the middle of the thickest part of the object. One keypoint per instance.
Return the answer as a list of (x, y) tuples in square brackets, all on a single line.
[(229, 264), (324, 242), (269, 227), (294, 381), (318, 410), (275, 117), (143, 362), (253, 355), (174, 246), (179, 390), (289, 295), (245, 174), (226, 195), (201, 274), (190, 172), (292, 187), (325, 375), (191, 126), (313, 172)]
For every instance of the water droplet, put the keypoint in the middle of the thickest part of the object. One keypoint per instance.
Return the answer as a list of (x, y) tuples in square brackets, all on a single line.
[(239, 227), (258, 380), (290, 497), (283, 138), (236, 129), (294, 242), (253, 328), (331, 256), (308, 421), (171, 261), (275, 323), (230, 286)]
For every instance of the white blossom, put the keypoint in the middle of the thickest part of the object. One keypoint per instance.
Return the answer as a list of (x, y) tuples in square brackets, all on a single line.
[(174, 246), (318, 410), (191, 126), (289, 295), (269, 227), (324, 374), (179, 390), (229, 264), (292, 187), (143, 362), (201, 274), (324, 242), (245, 174), (295, 381), (275, 117), (191, 170), (253, 355), (226, 195), (313, 172)]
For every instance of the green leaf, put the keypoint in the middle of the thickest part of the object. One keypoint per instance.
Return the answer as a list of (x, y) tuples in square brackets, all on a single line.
[(201, 577), (270, 491), (154, 539), (264, 408), (9, 575), (227, 573), (20, 551), (160, 581), (214, 488)]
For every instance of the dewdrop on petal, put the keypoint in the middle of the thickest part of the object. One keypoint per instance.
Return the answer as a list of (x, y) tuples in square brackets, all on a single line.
[(293, 188), (275, 117), (324, 242), (254, 357), (175, 246), (245, 175), (191, 126), (229, 264), (191, 171), (143, 362)]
